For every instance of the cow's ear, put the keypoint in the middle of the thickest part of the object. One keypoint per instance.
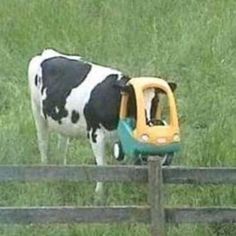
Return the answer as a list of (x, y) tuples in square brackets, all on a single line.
[(173, 86), (122, 83)]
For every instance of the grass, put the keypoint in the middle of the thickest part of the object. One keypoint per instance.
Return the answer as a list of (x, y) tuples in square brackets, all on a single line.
[(192, 42)]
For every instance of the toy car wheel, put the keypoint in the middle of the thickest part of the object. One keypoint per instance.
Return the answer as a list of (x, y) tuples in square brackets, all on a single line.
[(118, 152), (167, 159)]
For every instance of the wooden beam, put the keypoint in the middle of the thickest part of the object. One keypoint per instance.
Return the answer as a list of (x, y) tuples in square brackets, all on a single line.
[(203, 215), (199, 175), (171, 175), (156, 203), (116, 214), (70, 215), (74, 173)]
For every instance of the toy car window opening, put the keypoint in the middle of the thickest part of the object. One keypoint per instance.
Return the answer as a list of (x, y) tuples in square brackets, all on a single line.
[(131, 107), (157, 109)]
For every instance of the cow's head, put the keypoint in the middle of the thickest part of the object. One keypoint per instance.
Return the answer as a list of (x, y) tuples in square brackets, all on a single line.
[(152, 98), (155, 99)]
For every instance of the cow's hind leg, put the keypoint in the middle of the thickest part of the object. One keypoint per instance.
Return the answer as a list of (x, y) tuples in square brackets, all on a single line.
[(42, 132), (97, 140)]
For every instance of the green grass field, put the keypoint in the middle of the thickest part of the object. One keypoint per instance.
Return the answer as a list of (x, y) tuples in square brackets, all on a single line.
[(191, 42)]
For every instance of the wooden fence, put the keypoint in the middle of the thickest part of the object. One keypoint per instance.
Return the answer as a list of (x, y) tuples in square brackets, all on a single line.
[(154, 213)]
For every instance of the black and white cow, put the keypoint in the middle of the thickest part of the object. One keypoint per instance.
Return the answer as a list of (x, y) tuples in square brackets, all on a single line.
[(70, 95)]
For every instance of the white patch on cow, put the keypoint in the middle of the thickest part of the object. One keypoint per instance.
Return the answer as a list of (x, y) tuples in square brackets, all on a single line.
[(49, 53), (56, 109), (149, 94)]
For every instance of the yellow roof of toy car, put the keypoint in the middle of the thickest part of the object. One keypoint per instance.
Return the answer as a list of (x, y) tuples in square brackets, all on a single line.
[(146, 82)]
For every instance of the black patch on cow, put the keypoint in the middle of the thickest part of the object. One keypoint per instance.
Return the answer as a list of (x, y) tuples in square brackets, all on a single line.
[(132, 103), (94, 135), (156, 99), (103, 106), (74, 116), (59, 76), (122, 83), (154, 104), (36, 80)]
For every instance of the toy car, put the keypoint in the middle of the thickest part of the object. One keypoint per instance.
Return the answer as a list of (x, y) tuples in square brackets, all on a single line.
[(140, 137)]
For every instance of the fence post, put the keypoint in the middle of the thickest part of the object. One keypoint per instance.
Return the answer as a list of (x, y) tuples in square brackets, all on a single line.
[(155, 196)]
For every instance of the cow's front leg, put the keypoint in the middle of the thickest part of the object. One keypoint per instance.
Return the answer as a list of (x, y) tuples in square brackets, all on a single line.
[(97, 140), (63, 143)]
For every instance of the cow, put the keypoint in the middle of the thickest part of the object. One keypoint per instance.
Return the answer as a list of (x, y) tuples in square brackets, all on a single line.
[(70, 96)]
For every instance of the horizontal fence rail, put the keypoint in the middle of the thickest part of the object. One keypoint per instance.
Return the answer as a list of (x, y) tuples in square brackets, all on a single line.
[(201, 215), (199, 175), (116, 214), (171, 175), (74, 173), (70, 215)]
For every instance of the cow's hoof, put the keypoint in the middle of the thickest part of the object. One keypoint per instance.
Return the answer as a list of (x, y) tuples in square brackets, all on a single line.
[(118, 151)]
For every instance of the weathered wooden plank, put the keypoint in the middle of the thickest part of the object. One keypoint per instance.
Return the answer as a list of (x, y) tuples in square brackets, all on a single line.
[(200, 175), (202, 215), (171, 175), (74, 173), (70, 215), (123, 214), (155, 196)]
